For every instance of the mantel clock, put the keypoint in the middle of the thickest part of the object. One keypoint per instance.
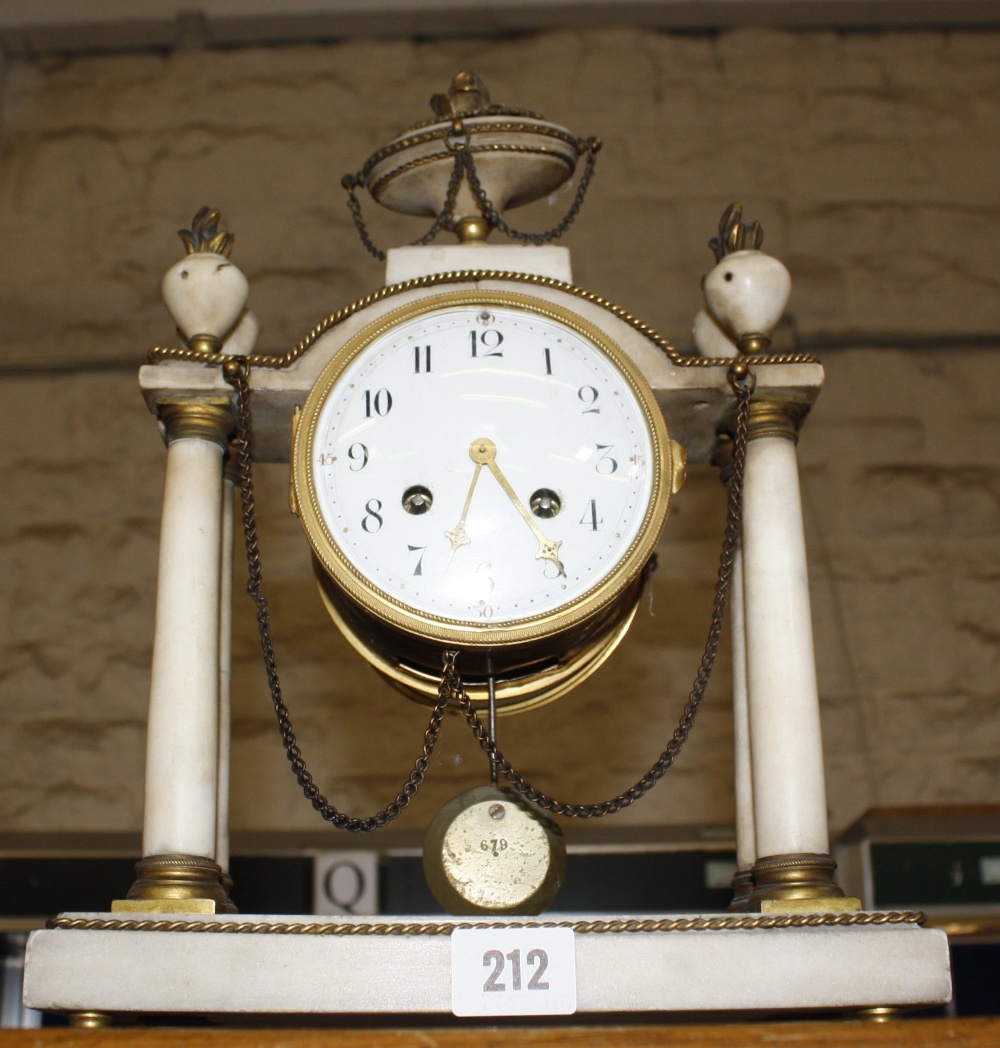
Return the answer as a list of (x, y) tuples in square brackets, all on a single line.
[(482, 455)]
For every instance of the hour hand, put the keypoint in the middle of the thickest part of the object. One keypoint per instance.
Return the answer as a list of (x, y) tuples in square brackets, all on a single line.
[(458, 536)]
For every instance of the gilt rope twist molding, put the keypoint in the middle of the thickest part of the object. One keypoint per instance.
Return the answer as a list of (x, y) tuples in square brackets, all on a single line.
[(649, 925), (467, 276)]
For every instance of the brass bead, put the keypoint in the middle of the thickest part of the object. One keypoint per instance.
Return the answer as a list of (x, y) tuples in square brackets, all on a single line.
[(207, 344), (472, 229)]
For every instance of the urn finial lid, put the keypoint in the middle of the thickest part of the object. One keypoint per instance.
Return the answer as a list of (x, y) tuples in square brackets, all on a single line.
[(474, 160)]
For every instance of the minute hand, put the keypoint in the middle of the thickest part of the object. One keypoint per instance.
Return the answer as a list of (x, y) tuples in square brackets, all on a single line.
[(547, 548)]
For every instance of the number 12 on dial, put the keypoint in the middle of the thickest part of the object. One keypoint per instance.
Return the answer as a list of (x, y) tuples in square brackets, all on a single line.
[(513, 971)]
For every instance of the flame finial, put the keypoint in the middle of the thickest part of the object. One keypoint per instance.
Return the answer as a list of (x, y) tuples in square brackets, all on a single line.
[(205, 237), (735, 234), (467, 96)]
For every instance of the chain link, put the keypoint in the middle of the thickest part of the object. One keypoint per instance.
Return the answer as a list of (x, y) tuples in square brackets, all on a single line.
[(743, 387), (351, 182), (236, 373), (493, 216)]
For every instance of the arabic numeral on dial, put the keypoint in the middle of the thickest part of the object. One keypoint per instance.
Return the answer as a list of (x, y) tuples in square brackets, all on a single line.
[(551, 571), (327, 458), (358, 454), (537, 959), (486, 343), (589, 395), (606, 465), (484, 577), (372, 520), (421, 359), (421, 550), (377, 403), (590, 517)]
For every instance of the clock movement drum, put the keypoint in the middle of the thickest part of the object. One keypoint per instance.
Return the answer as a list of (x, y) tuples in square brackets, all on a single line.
[(485, 472)]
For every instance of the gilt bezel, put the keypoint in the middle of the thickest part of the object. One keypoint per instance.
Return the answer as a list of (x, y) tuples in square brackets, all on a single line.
[(441, 629)]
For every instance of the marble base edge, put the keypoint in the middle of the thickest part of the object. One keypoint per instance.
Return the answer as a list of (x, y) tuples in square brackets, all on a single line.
[(737, 970)]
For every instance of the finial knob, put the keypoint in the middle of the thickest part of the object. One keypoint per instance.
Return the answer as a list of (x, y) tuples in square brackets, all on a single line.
[(204, 292), (467, 96), (747, 291)]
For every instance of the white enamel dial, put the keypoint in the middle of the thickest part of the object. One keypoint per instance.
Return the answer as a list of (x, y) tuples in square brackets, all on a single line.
[(483, 464)]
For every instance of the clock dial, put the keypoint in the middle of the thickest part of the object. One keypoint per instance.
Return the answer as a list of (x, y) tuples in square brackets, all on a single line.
[(481, 463)]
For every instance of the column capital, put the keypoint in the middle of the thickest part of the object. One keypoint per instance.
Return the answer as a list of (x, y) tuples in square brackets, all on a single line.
[(775, 415), (202, 418)]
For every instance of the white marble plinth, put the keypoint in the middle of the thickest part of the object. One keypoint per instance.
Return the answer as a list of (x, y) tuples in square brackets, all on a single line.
[(256, 973), (408, 263)]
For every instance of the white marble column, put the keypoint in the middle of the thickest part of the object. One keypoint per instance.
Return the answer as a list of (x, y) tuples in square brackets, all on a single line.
[(786, 752), (182, 755), (225, 671), (746, 837)]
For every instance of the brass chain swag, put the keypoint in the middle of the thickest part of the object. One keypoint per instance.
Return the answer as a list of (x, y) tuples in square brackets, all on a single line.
[(236, 372), (351, 182)]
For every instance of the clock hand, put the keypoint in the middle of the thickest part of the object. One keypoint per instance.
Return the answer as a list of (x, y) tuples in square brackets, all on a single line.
[(458, 536), (483, 452)]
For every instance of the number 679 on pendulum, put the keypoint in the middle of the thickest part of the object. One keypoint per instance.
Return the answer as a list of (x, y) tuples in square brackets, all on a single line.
[(513, 971)]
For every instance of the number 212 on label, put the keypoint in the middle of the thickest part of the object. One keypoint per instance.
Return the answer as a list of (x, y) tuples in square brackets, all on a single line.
[(513, 971)]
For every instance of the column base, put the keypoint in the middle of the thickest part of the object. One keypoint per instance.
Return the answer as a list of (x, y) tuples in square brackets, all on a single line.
[(742, 890), (798, 882), (176, 884)]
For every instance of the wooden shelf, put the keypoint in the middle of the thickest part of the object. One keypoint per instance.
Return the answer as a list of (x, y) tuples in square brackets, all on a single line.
[(907, 1033)]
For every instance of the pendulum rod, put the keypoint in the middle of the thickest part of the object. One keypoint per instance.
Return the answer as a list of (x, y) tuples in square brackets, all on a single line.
[(494, 765)]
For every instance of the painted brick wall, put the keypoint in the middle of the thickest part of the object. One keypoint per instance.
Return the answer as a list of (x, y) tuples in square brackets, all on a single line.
[(871, 161)]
